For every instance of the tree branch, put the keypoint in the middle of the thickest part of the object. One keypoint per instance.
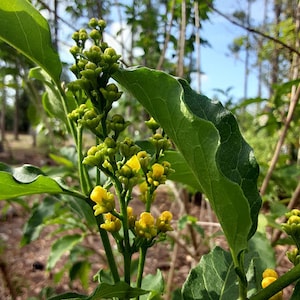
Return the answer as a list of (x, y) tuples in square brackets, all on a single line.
[(250, 29)]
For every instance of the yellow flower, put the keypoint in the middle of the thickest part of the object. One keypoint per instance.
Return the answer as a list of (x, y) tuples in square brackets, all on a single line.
[(105, 201), (157, 170), (156, 176), (112, 224), (131, 217), (134, 163), (269, 276), (145, 226), (163, 222), (270, 273)]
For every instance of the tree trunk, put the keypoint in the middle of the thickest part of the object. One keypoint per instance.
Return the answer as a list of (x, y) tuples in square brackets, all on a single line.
[(16, 111), (181, 46), (2, 118), (275, 55)]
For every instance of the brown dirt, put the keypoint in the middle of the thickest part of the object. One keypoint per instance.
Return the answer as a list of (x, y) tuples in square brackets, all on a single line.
[(22, 270)]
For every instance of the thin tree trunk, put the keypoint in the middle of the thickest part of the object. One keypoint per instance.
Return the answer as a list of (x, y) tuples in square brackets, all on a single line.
[(275, 53), (2, 118), (167, 37), (247, 54), (197, 42), (17, 110), (181, 48), (295, 94)]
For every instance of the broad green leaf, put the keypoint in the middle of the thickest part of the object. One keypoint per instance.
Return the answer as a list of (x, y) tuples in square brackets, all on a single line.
[(25, 180), (209, 139), (183, 172), (35, 223), (120, 290), (25, 29), (61, 246), (215, 278), (154, 284)]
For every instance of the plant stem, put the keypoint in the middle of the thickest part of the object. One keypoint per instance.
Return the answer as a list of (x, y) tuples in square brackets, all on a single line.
[(278, 285), (83, 176), (108, 251), (142, 258)]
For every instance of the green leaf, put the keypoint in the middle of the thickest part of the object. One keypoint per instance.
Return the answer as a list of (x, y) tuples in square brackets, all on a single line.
[(154, 284), (61, 246), (209, 139), (69, 295), (183, 172), (213, 278), (53, 101), (25, 180), (119, 290), (25, 29), (296, 293), (81, 271), (35, 224)]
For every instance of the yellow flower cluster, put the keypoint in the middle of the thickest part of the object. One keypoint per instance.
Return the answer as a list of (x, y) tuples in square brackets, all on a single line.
[(158, 174), (105, 201), (111, 224), (269, 276), (146, 226)]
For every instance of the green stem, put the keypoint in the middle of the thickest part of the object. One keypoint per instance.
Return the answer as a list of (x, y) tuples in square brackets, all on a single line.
[(127, 248), (279, 284), (142, 259), (108, 251), (83, 176)]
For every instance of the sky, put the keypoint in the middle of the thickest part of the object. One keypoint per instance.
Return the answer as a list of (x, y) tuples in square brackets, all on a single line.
[(221, 70)]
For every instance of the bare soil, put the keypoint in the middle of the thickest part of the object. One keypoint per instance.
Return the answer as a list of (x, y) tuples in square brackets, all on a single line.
[(22, 269)]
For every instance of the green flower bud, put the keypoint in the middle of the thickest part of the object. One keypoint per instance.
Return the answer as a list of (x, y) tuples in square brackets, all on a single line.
[(111, 93), (160, 142), (84, 83), (93, 23), (144, 159), (95, 35), (81, 63), (75, 36), (152, 124), (102, 24), (128, 148), (83, 36), (74, 50), (117, 124), (74, 70), (293, 256), (88, 74), (90, 66)]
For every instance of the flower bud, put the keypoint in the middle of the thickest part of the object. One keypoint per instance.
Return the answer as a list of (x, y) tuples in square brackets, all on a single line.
[(105, 201), (163, 222), (111, 224), (145, 226), (101, 24), (95, 35), (152, 124), (93, 23)]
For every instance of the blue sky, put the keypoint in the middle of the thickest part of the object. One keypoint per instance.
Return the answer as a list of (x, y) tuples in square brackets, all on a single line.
[(221, 69)]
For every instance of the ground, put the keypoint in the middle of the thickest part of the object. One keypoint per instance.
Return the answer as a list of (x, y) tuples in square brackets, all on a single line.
[(22, 270)]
